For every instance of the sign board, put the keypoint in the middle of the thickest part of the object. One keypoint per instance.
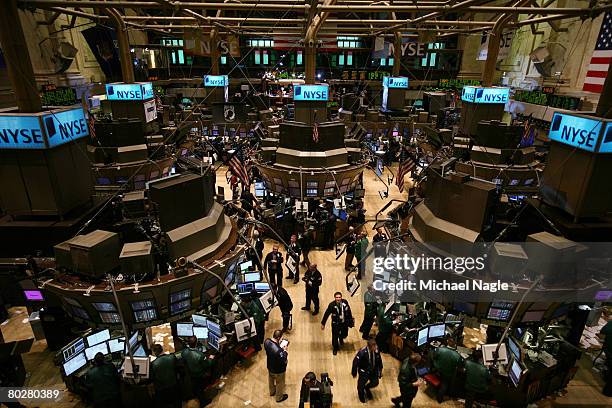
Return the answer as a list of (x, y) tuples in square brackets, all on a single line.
[(197, 43), (138, 91), (505, 45), (42, 130), (311, 93), (395, 82), (409, 48), (216, 80), (150, 109), (582, 132), (475, 94)]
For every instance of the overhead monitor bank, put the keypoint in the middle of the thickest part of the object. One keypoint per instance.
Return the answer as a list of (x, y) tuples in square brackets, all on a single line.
[(311, 92), (138, 91), (477, 94), (592, 134), (42, 130), (216, 80)]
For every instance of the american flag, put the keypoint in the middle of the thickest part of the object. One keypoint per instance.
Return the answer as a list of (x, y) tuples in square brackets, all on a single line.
[(405, 167), (91, 124), (238, 168), (315, 133), (601, 59)]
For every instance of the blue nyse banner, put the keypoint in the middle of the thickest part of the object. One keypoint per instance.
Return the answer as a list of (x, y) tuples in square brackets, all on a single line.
[(310, 92), (216, 80), (477, 94), (576, 131), (42, 130), (137, 91), (606, 142), (395, 82), (63, 127), (21, 132)]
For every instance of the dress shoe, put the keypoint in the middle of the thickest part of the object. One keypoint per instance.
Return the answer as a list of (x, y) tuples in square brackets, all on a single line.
[(296, 281), (289, 277), (305, 308), (396, 401), (335, 352), (369, 393), (362, 399), (284, 397), (316, 312)]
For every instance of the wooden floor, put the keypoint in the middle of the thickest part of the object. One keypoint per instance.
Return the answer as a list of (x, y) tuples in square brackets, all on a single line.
[(310, 348)]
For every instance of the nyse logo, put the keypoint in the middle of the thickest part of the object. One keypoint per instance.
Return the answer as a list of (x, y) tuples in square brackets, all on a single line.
[(14, 137), (214, 81), (575, 136), (70, 129), (491, 96), (314, 93)]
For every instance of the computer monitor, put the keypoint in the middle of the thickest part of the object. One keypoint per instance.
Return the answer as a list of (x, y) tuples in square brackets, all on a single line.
[(499, 314), (213, 340), (91, 352), (133, 340), (515, 349), (262, 287), (116, 345), (98, 337), (184, 329), (422, 336), (244, 266), (437, 331), (33, 295), (214, 328), (75, 347), (140, 368), (260, 189), (75, 363), (199, 320), (140, 352), (515, 373), (533, 316), (245, 288), (488, 351), (245, 329), (251, 277), (464, 307), (201, 333)]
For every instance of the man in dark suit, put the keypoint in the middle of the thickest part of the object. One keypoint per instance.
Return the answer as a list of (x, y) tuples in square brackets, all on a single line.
[(308, 383), (368, 365), (313, 279), (285, 304), (294, 250), (408, 381), (342, 319), (274, 265), (277, 366)]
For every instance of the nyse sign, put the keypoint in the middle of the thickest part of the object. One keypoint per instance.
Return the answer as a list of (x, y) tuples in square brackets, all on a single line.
[(485, 95), (216, 80), (43, 130), (395, 82), (138, 91), (310, 92), (581, 132)]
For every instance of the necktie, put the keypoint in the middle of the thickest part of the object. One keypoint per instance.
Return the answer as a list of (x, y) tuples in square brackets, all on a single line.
[(372, 361)]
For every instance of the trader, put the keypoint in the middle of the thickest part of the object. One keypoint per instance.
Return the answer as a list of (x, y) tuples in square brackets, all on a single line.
[(313, 279), (307, 239), (255, 310), (351, 240), (197, 366), (368, 364), (294, 250), (273, 264), (164, 377), (102, 381), (369, 313), (342, 319), (385, 329), (477, 379), (361, 248), (408, 381), (285, 304), (277, 365), (379, 241), (309, 383), (446, 361)]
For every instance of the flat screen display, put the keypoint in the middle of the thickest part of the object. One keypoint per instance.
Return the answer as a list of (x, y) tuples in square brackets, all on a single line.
[(437, 330), (244, 266), (514, 348), (533, 316), (116, 345), (98, 337), (252, 277), (33, 295), (74, 363), (184, 329), (140, 352), (422, 336), (201, 333), (245, 288), (91, 352), (515, 372), (214, 328), (199, 320), (74, 348), (499, 314), (262, 287)]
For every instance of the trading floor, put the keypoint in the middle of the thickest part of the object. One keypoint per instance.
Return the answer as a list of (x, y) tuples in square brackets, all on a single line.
[(309, 350)]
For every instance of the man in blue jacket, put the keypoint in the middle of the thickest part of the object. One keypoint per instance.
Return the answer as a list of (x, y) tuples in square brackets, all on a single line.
[(368, 364), (277, 365)]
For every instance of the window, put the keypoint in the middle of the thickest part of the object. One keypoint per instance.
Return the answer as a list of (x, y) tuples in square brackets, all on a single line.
[(108, 312), (261, 43), (257, 57), (329, 191), (300, 58), (430, 59), (341, 59), (349, 58), (180, 301), (144, 310), (266, 59), (223, 60)]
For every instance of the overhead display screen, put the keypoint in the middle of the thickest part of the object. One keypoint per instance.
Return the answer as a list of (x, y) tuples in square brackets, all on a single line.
[(138, 91), (477, 94), (310, 92), (395, 82), (579, 131), (216, 80)]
